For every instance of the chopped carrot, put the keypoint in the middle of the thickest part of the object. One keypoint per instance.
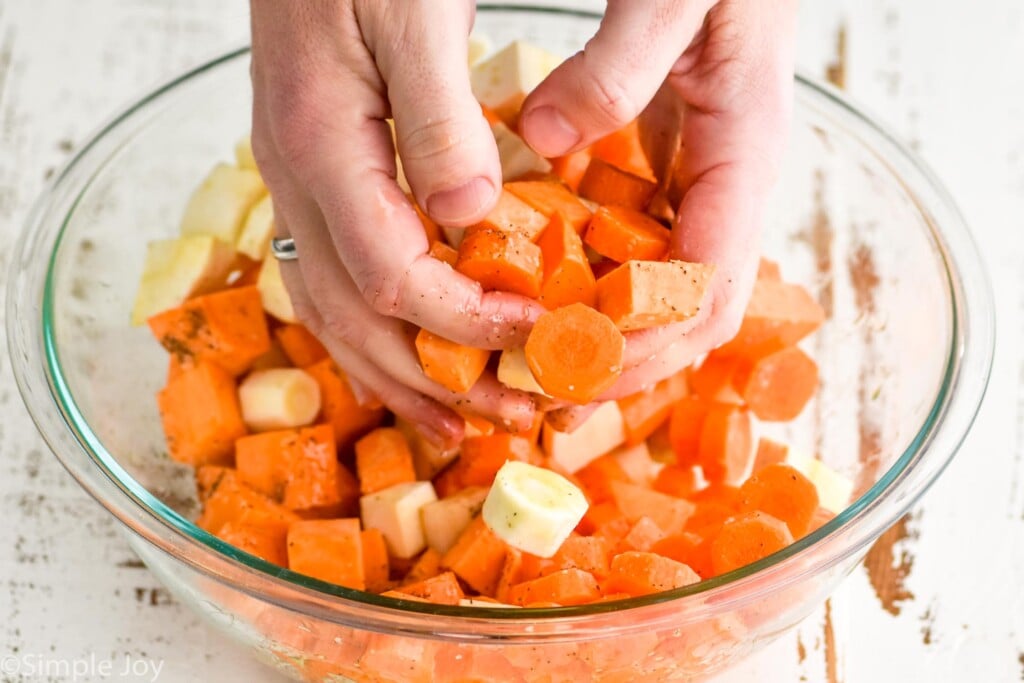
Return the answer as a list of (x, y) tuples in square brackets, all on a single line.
[(564, 587), (777, 386), (575, 353), (668, 512), (442, 589), (778, 313), (642, 294), (265, 541), (299, 344), (599, 515), (688, 548), (248, 272), (597, 477), (784, 493), (383, 459), (602, 266), (227, 328), (723, 494), (511, 573), (208, 477), (622, 148), (725, 442), (822, 516), (375, 560), (610, 186), (645, 411), (551, 199), (748, 538), (642, 535), (568, 278), (571, 167), (229, 500), (443, 252), (295, 467), (483, 456), (712, 381), (274, 357), (685, 425), (769, 452), (490, 115), (642, 573), (589, 553), (339, 405), (201, 415), (512, 214), (708, 517), (502, 261), (454, 366), (328, 549), (347, 487), (430, 228), (768, 270), (427, 565), (623, 234), (614, 531), (676, 480), (477, 557)]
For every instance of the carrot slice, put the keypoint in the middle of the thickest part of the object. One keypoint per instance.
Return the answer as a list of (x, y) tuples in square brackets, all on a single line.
[(568, 278), (668, 512), (296, 467), (550, 199), (685, 427), (375, 560), (477, 557), (227, 328), (642, 573), (442, 589), (502, 261), (642, 294), (564, 587), (598, 516), (229, 500), (200, 414), (645, 411), (644, 533), (778, 313), (676, 480), (383, 459), (784, 493), (329, 550), (575, 353), (454, 366), (748, 538), (597, 477), (513, 215), (571, 167), (769, 452), (725, 442), (299, 344), (623, 234), (483, 456), (265, 541), (688, 548), (442, 252), (777, 386), (712, 381), (622, 148), (427, 565), (611, 186), (339, 406)]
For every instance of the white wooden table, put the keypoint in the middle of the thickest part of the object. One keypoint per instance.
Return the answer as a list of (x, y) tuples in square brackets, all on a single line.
[(947, 75)]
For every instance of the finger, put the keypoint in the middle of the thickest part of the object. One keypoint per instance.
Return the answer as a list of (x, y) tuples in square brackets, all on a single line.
[(447, 148), (609, 83), (570, 418)]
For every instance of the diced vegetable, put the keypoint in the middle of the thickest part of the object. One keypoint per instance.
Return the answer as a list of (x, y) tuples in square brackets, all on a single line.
[(178, 269), (328, 549), (383, 459), (396, 512), (506, 261), (623, 235), (454, 366), (219, 206), (279, 398), (568, 278), (642, 294), (201, 416), (611, 186)]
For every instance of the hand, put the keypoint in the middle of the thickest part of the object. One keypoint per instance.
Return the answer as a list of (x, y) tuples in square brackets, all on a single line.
[(326, 76), (716, 77)]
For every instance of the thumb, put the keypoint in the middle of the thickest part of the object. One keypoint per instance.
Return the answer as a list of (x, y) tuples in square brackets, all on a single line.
[(447, 149), (608, 84)]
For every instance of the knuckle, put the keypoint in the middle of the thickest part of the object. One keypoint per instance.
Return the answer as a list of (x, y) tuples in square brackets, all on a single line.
[(338, 325), (433, 140), (613, 101), (382, 293)]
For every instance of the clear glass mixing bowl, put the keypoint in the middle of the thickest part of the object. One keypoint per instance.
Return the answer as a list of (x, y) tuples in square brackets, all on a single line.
[(905, 357)]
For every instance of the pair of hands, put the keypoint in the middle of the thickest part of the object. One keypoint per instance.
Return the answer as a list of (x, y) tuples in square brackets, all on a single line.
[(327, 74)]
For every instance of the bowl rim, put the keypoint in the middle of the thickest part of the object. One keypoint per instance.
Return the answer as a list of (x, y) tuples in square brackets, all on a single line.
[(30, 305)]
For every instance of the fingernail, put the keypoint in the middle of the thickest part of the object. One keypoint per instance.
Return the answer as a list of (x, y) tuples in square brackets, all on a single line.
[(460, 202), (549, 132)]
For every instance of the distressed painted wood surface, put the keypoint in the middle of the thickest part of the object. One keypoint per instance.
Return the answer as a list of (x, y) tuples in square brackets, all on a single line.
[(939, 596)]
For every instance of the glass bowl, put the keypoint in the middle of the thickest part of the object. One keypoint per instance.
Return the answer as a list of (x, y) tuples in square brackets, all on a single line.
[(905, 357)]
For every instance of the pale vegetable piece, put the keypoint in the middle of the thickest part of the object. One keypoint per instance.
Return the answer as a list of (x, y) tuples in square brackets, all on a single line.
[(532, 508), (453, 236), (479, 46), (503, 80), (254, 240), (601, 433), (243, 154), (221, 203), (514, 372), (177, 269), (427, 459), (276, 300), (477, 602), (400, 172), (444, 520), (637, 463), (279, 398), (395, 511), (834, 489), (517, 157)]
